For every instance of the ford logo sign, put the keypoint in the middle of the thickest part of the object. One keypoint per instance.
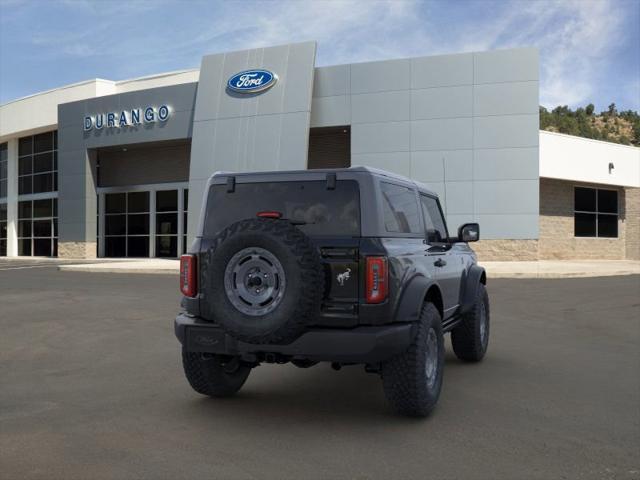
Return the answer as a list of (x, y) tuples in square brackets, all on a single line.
[(252, 81)]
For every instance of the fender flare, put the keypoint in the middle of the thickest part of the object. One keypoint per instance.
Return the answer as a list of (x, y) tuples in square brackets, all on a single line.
[(475, 276), (412, 298)]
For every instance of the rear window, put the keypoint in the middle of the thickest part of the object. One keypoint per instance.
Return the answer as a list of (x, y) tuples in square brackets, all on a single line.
[(317, 210)]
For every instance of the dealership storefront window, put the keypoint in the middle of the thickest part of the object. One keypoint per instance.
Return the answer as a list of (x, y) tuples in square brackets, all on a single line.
[(37, 195), (4, 161), (595, 212), (38, 163), (38, 227), (185, 204), (142, 221), (3, 199), (3, 229)]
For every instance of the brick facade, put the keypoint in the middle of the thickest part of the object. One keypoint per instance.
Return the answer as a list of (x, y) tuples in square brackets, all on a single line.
[(505, 250), (632, 228), (77, 250), (556, 238)]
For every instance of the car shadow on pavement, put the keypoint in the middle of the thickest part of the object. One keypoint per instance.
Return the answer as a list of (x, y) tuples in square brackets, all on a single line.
[(319, 394)]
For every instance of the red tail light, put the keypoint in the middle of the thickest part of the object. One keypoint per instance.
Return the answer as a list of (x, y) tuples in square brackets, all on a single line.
[(188, 275), (377, 281), (269, 214)]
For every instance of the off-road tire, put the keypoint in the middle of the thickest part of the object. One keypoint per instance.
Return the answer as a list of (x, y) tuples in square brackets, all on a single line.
[(467, 339), (305, 281), (214, 375), (404, 376)]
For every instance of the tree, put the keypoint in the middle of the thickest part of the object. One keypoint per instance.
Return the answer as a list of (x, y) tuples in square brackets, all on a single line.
[(610, 125)]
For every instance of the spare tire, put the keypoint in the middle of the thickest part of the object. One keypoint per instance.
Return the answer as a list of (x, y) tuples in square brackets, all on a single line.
[(263, 281)]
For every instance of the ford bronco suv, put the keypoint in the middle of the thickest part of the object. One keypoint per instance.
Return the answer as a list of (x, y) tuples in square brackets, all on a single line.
[(348, 266)]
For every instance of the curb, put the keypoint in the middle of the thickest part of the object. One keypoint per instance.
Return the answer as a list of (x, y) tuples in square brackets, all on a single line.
[(549, 275), (92, 269)]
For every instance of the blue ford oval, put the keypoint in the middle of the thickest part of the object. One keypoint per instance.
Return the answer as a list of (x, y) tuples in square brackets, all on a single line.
[(252, 81)]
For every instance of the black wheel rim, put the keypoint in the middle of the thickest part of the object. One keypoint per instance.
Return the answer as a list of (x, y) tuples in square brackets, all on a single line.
[(254, 281), (431, 358), (484, 325)]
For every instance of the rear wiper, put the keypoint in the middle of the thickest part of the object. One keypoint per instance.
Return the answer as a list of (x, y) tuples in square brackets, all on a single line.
[(298, 222)]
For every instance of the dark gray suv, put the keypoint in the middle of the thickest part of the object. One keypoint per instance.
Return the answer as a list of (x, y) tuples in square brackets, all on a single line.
[(348, 266)]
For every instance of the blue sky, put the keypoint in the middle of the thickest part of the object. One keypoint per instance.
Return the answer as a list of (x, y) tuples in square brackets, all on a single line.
[(589, 50)]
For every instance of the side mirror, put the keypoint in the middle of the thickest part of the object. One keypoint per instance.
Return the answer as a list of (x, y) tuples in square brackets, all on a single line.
[(469, 232)]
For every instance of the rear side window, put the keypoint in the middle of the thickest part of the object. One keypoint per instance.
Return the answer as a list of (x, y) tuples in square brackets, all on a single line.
[(316, 210), (436, 227), (400, 207)]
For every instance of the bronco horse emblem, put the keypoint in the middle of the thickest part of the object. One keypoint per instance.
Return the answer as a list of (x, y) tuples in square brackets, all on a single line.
[(343, 277)]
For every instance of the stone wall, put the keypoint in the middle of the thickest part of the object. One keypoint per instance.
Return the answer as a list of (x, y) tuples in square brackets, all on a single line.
[(632, 228), (557, 240), (77, 250), (505, 250)]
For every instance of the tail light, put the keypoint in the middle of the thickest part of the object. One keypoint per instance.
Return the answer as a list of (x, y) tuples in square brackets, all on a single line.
[(377, 280), (188, 275), (269, 214)]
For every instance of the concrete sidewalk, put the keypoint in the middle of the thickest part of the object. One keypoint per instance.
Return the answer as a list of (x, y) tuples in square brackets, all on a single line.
[(561, 268), (540, 269), (152, 266)]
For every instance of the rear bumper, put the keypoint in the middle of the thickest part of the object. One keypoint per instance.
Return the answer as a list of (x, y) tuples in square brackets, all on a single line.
[(354, 345)]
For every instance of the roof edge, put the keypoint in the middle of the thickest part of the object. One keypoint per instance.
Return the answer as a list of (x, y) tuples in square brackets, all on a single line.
[(101, 80), (565, 135)]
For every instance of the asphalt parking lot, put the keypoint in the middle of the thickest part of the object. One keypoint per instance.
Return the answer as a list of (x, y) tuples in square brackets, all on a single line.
[(91, 387)]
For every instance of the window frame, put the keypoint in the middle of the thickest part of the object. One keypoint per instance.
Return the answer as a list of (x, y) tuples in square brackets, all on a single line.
[(596, 212), (159, 213), (386, 233), (444, 219), (5, 222), (53, 173), (31, 219), (4, 179), (126, 214), (151, 189)]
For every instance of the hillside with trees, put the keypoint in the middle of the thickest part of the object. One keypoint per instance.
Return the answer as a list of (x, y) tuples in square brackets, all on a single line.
[(609, 125)]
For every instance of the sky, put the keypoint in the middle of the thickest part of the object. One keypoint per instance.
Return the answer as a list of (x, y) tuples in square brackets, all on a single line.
[(589, 50)]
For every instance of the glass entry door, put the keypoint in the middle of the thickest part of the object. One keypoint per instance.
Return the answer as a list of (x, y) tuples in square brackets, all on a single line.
[(167, 223), (143, 223), (126, 224)]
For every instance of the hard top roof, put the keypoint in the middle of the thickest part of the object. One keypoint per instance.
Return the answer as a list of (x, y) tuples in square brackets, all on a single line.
[(354, 169)]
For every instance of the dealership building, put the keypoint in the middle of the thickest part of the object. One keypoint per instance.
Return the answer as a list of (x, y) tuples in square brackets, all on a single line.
[(118, 168)]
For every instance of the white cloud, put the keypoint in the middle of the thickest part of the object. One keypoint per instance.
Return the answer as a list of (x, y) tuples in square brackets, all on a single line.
[(575, 37)]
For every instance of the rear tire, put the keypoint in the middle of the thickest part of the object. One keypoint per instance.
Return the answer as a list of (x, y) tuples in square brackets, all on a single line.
[(412, 380), (470, 339), (214, 375)]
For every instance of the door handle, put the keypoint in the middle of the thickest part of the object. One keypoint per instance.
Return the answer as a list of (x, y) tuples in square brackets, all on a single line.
[(439, 263)]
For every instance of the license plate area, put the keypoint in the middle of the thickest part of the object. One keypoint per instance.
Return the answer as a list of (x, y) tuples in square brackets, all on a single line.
[(201, 339)]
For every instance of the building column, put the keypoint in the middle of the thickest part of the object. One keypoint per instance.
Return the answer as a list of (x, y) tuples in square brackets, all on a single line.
[(77, 200), (181, 232), (12, 198), (152, 223), (101, 225)]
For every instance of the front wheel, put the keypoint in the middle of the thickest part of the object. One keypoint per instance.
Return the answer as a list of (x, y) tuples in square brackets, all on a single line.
[(412, 380), (470, 339), (214, 375)]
